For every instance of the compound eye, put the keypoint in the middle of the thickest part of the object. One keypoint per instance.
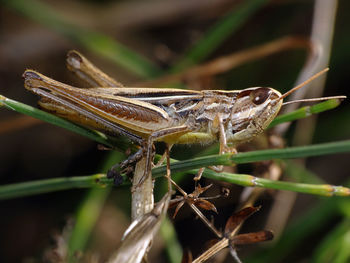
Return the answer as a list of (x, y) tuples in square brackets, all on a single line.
[(260, 95)]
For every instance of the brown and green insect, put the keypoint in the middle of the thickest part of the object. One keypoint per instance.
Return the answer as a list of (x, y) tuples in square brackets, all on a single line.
[(147, 115)]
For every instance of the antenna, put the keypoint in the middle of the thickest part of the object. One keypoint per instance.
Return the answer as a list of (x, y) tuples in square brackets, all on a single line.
[(303, 84), (315, 99)]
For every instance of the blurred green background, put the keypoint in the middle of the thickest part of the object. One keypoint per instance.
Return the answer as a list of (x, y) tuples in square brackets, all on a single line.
[(135, 41)]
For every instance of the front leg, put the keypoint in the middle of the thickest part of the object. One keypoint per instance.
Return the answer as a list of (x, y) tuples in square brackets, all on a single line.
[(218, 123), (223, 144), (222, 137)]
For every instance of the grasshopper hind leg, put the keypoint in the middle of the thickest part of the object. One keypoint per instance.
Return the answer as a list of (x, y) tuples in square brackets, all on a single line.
[(149, 147), (125, 166)]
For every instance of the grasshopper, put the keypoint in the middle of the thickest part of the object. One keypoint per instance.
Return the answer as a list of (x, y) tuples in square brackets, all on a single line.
[(147, 115)]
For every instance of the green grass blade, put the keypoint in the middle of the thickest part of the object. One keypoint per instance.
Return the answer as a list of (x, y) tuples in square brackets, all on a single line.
[(293, 152), (305, 112), (173, 248), (94, 41), (300, 229), (300, 174), (50, 185), (343, 255), (217, 34), (121, 55), (251, 181), (85, 220), (90, 209), (24, 189), (50, 118), (335, 246), (255, 156), (100, 180)]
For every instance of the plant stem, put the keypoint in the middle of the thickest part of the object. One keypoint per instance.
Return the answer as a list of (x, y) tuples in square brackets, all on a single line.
[(50, 118), (90, 209), (248, 180), (56, 184), (305, 112), (141, 195), (255, 156), (52, 185), (85, 220), (335, 246)]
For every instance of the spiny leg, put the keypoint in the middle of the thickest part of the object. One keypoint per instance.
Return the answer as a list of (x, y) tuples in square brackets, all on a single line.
[(115, 171), (164, 156)]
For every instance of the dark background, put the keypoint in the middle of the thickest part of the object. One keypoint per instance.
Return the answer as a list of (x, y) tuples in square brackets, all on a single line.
[(161, 31)]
